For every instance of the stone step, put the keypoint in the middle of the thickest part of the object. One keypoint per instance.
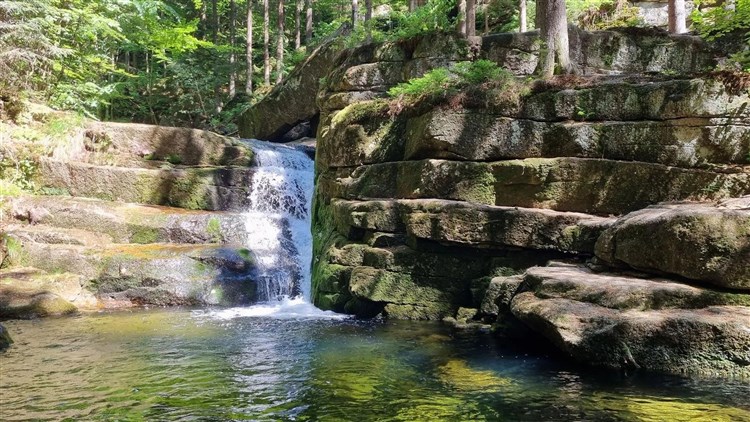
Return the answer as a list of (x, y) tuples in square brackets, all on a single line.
[(27, 292), (57, 235), (694, 122), (52, 217), (149, 146), (201, 188), (473, 225), (378, 67), (154, 274), (593, 186), (707, 243), (628, 322)]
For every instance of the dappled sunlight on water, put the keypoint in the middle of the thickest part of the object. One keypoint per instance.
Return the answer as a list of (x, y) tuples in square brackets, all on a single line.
[(286, 361)]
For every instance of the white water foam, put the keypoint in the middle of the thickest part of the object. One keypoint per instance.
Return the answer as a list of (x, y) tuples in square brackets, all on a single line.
[(279, 236), (297, 308), (278, 220)]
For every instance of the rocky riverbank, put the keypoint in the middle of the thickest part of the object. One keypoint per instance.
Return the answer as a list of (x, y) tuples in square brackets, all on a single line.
[(608, 212)]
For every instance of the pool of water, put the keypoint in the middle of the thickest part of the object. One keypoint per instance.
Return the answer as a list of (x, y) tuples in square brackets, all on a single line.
[(181, 364)]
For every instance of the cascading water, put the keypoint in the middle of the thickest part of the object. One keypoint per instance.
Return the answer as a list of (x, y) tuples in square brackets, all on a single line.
[(279, 236), (278, 221)]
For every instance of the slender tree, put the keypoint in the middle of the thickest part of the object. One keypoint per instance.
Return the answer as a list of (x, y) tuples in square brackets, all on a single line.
[(309, 22), (461, 22), (677, 16), (471, 18), (522, 15), (266, 44), (280, 44), (412, 5), (232, 46), (355, 13), (552, 21), (297, 23), (368, 18), (249, 49)]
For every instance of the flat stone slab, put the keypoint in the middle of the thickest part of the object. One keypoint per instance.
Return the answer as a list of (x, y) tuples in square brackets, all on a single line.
[(702, 242), (623, 291), (27, 292), (131, 274), (148, 146), (713, 341), (59, 219), (206, 188), (466, 224)]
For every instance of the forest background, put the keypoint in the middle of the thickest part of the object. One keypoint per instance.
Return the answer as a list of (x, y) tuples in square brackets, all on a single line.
[(200, 63)]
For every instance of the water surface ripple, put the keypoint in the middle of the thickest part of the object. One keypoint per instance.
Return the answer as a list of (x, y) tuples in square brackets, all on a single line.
[(179, 364)]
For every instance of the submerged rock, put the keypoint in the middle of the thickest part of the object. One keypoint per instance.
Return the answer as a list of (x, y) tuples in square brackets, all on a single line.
[(5, 340)]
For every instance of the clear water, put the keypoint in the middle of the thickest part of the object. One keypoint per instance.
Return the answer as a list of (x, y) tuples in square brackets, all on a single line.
[(278, 221), (265, 363)]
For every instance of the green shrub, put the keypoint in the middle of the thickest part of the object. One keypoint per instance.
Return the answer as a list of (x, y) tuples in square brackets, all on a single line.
[(718, 22), (447, 81), (434, 82)]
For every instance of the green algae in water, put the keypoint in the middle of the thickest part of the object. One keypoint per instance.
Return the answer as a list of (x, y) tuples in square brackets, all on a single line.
[(182, 364)]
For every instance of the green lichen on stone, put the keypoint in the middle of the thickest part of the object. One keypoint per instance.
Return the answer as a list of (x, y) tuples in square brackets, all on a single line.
[(213, 228), (144, 235)]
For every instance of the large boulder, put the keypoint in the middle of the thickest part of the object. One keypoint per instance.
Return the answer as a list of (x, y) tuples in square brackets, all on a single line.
[(31, 293), (626, 322), (292, 101), (702, 242)]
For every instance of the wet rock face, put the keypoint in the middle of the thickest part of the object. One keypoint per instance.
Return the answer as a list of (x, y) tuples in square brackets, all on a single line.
[(84, 254)]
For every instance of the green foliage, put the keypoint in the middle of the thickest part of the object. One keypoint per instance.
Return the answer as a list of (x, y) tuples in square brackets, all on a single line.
[(213, 228), (717, 22), (479, 72), (599, 15), (434, 82), (442, 81)]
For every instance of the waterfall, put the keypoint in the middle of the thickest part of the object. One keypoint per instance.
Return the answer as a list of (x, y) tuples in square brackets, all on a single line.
[(278, 220)]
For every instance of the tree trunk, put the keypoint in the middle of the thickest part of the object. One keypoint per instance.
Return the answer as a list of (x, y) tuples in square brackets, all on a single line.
[(232, 45), (355, 13), (297, 24), (368, 18), (522, 15), (554, 34), (266, 44), (461, 22), (540, 12), (412, 5), (471, 18), (309, 22), (215, 39), (280, 45), (249, 50), (677, 17)]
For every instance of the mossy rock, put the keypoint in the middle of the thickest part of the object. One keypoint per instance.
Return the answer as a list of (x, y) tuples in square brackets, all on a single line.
[(701, 242)]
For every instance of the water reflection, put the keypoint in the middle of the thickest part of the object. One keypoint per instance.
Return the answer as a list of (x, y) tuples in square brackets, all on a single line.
[(178, 364)]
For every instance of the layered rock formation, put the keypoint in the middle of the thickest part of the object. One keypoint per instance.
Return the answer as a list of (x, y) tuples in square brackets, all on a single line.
[(153, 220), (453, 207)]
